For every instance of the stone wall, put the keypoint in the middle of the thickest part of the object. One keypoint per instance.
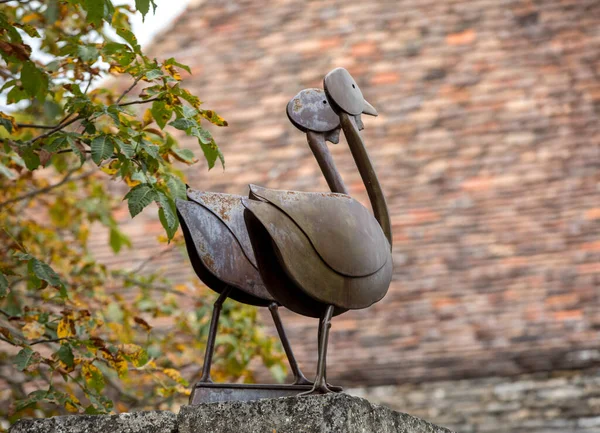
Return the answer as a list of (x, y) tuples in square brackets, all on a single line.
[(559, 402), (488, 149)]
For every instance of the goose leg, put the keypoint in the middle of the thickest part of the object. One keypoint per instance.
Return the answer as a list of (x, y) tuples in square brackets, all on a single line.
[(299, 378), (212, 334), (320, 386)]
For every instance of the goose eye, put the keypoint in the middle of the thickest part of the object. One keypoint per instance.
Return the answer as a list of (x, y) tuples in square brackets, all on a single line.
[(353, 86), (324, 102)]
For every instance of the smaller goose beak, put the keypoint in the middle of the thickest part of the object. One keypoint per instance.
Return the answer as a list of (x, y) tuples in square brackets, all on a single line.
[(369, 109)]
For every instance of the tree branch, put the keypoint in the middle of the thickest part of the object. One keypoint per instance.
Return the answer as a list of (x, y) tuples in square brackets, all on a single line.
[(141, 101), (54, 129), (35, 126), (51, 340), (135, 83), (64, 180)]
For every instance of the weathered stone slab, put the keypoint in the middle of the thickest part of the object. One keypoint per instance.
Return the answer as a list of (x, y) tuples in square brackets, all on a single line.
[(332, 413), (137, 422)]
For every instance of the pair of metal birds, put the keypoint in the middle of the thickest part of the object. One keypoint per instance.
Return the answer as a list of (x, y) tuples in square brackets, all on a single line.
[(317, 254)]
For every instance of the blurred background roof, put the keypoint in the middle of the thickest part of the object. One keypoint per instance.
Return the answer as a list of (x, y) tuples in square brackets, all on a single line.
[(488, 149)]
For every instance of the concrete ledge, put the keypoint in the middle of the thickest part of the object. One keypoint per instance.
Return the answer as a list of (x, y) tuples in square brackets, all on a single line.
[(332, 413), (136, 422)]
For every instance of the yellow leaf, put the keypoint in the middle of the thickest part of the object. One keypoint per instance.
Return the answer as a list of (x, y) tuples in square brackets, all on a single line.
[(11, 119), (70, 407), (66, 327), (173, 72), (33, 330), (147, 119), (175, 375), (30, 17), (119, 365), (131, 183), (116, 69), (111, 168)]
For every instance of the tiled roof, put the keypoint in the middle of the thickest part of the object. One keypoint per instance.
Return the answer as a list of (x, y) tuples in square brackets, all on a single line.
[(487, 147)]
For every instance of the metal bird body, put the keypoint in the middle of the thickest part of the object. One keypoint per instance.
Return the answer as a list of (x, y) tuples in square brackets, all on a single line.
[(329, 252)]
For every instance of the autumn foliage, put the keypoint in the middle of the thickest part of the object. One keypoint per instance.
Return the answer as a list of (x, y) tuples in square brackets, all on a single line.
[(74, 335)]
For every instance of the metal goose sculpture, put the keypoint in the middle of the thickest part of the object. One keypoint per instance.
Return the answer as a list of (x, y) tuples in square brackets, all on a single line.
[(217, 239), (321, 254), (221, 255)]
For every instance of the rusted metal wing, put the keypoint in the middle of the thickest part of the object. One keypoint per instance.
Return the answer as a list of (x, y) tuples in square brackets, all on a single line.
[(217, 255)]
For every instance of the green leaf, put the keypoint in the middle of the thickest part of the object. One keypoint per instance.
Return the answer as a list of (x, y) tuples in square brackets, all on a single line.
[(45, 272), (88, 53), (183, 124), (3, 286), (34, 81), (77, 150), (167, 214), (31, 158), (118, 239), (211, 153), (172, 61), (185, 154), (31, 399), (65, 354), (126, 148), (154, 74), (176, 187), (203, 135), (95, 10), (150, 148), (58, 142), (130, 38), (139, 197), (144, 6), (161, 112), (24, 358), (102, 148)]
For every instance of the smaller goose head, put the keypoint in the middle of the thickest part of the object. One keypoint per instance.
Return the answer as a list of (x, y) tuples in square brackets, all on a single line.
[(309, 110), (344, 94)]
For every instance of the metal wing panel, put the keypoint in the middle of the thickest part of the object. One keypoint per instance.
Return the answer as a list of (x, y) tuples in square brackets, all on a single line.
[(343, 232), (210, 241), (310, 273), (228, 208)]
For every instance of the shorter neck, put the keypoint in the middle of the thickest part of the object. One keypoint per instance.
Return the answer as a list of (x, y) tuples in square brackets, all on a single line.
[(368, 175), (317, 144)]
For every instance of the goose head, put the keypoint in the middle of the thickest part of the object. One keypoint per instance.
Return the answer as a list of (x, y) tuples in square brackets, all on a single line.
[(344, 94), (309, 110)]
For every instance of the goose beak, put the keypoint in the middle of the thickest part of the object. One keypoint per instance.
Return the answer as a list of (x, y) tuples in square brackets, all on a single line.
[(369, 109)]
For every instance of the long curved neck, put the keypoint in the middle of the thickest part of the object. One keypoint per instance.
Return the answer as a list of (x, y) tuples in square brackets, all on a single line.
[(319, 148), (367, 173)]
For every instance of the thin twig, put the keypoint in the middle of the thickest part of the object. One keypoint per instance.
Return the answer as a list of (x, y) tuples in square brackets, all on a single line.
[(7, 341), (71, 150), (53, 130), (141, 101), (135, 83), (64, 180), (35, 126), (51, 340)]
